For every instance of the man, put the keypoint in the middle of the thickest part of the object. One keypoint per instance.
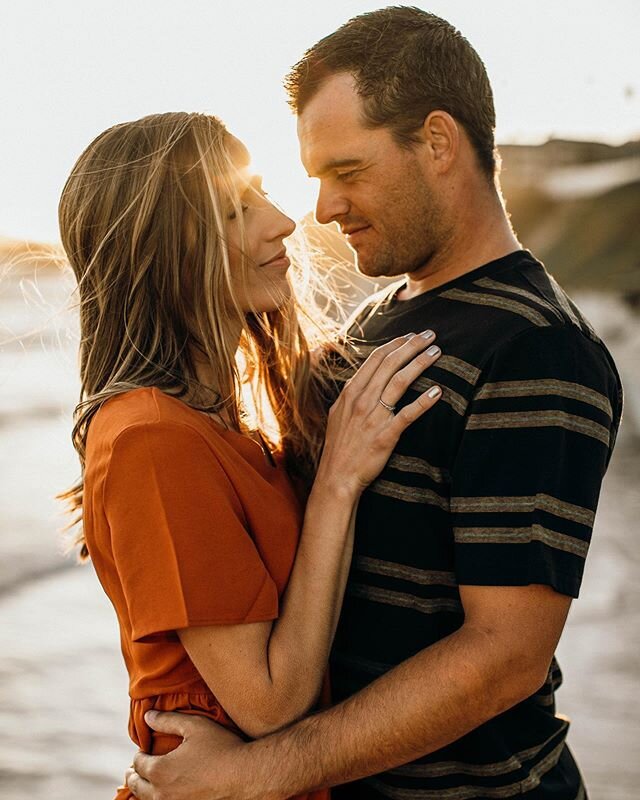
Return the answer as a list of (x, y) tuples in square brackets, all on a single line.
[(471, 544)]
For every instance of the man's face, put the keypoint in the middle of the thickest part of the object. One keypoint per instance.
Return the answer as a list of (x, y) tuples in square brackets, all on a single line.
[(378, 192)]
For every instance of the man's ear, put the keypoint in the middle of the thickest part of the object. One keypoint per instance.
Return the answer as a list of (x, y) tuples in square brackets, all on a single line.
[(441, 135)]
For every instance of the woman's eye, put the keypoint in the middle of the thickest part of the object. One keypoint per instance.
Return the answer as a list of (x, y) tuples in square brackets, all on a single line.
[(232, 214)]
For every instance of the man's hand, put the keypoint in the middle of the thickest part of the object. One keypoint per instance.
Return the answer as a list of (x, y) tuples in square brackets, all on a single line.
[(499, 657), (205, 765)]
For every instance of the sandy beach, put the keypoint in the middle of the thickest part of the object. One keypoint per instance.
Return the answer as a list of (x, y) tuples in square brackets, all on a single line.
[(63, 691)]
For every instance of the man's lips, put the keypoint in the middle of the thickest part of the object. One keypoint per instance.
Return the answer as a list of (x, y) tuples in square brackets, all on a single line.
[(353, 234)]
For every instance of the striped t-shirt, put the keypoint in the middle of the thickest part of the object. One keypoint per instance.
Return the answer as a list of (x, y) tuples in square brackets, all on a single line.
[(497, 485)]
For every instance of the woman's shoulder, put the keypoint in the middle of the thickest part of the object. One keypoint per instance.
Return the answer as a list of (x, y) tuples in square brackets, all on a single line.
[(133, 412)]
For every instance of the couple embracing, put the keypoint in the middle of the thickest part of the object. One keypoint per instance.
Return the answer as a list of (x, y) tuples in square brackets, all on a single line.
[(345, 558)]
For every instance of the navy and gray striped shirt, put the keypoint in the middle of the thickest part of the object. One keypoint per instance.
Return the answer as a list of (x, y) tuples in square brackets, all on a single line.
[(497, 486)]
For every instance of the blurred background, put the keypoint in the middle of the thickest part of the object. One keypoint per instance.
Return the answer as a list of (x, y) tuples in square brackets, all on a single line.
[(566, 78)]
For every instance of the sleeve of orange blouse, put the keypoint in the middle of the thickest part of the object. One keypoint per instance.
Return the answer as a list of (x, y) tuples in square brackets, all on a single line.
[(178, 535)]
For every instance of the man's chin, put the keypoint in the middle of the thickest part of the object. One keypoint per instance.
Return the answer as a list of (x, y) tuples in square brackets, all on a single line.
[(376, 269)]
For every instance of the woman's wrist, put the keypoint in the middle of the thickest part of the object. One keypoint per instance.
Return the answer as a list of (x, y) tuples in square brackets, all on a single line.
[(335, 488)]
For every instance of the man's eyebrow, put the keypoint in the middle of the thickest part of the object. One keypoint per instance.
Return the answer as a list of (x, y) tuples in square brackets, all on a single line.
[(337, 163)]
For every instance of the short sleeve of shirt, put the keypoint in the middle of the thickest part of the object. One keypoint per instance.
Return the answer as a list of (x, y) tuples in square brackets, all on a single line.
[(527, 476), (179, 539)]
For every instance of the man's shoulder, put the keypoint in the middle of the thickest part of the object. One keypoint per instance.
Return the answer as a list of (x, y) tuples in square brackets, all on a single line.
[(524, 295), (501, 298), (540, 316), (511, 301)]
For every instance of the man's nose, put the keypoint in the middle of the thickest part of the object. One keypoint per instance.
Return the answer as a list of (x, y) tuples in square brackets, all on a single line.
[(331, 204)]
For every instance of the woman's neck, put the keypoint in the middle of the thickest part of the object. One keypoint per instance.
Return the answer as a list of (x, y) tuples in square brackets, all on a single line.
[(207, 392)]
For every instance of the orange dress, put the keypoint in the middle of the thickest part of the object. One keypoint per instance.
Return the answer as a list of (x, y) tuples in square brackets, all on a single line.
[(186, 524)]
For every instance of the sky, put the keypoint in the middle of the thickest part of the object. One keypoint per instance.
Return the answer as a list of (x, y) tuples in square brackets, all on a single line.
[(559, 68)]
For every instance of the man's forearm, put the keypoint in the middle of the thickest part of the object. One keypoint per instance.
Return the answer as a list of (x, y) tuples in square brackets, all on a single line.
[(420, 706), (499, 656)]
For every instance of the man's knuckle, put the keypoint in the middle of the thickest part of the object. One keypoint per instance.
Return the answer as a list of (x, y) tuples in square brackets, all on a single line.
[(157, 772), (134, 783)]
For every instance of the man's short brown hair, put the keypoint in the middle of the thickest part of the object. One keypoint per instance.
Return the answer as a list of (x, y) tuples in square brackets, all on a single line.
[(406, 64)]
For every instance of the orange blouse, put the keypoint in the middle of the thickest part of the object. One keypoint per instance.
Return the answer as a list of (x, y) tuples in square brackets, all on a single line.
[(187, 524)]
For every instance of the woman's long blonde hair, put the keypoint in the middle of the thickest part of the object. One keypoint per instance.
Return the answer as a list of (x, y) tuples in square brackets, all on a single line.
[(143, 223)]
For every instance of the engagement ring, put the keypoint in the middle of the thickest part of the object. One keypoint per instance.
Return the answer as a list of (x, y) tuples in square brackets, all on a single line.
[(388, 407)]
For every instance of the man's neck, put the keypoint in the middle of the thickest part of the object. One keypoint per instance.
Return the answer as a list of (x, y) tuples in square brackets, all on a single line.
[(477, 239)]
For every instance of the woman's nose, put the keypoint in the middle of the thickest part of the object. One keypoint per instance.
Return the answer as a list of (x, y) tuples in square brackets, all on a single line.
[(282, 226)]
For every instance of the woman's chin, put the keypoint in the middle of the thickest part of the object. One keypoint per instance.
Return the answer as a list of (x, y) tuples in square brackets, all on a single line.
[(272, 299)]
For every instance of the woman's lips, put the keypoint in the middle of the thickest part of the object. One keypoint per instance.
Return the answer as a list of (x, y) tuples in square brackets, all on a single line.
[(281, 260), (282, 263)]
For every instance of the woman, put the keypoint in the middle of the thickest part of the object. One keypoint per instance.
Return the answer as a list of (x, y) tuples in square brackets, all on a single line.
[(227, 595)]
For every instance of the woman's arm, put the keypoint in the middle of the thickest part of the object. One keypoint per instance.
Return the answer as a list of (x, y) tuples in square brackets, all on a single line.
[(267, 674)]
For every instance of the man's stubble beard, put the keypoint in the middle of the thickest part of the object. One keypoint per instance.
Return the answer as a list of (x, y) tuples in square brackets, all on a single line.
[(412, 241)]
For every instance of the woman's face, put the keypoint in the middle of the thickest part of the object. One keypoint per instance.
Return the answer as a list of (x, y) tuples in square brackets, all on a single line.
[(266, 227)]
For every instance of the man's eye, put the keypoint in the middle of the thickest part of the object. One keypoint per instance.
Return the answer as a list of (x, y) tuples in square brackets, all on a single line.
[(346, 176)]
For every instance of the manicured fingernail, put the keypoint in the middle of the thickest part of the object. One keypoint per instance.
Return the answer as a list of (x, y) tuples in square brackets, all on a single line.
[(427, 335), (433, 350), (434, 391)]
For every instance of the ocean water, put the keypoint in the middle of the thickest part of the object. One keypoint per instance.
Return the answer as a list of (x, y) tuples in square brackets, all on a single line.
[(63, 689)]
